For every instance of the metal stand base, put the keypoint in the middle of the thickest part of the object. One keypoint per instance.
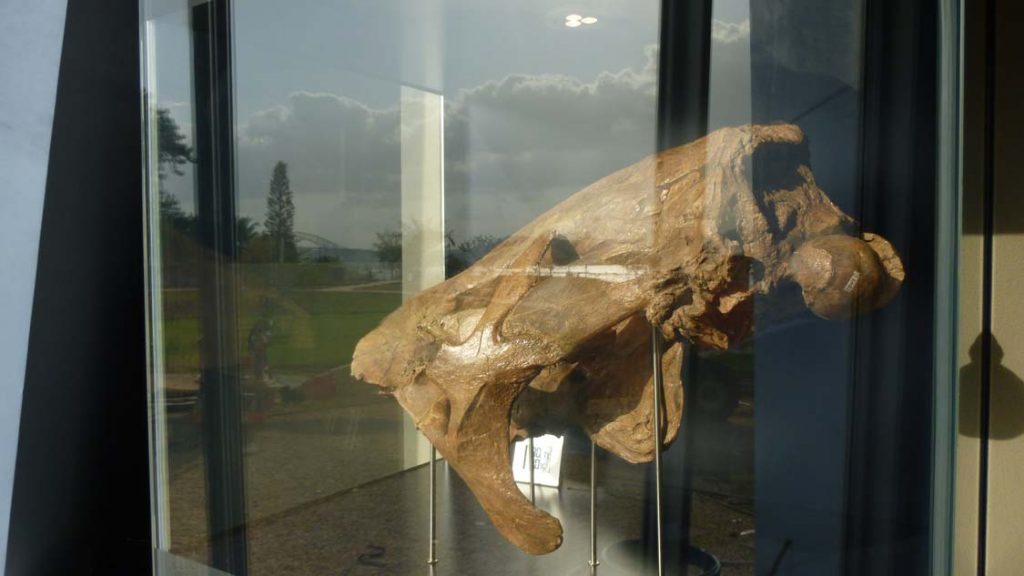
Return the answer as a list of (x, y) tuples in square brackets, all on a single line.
[(432, 532), (656, 346), (532, 464), (658, 433), (593, 562)]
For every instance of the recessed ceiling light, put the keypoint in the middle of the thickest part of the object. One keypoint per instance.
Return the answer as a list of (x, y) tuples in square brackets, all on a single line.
[(572, 23), (589, 20), (572, 17)]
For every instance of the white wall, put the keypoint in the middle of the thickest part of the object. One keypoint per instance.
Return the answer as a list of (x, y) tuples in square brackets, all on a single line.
[(31, 35)]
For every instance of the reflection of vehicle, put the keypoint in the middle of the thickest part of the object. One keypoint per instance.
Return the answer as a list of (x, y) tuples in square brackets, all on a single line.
[(184, 414), (181, 397), (718, 382)]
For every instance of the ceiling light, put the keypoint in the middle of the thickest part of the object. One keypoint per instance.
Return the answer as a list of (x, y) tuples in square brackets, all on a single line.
[(589, 20), (572, 23)]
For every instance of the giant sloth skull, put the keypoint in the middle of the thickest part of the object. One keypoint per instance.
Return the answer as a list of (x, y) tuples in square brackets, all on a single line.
[(552, 327)]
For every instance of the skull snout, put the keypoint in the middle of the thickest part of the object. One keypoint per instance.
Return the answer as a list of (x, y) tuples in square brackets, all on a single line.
[(842, 275)]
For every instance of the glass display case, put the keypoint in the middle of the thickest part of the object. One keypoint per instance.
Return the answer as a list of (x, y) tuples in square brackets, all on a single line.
[(477, 287)]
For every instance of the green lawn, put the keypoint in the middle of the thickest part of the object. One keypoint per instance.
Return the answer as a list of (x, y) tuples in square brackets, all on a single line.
[(313, 330)]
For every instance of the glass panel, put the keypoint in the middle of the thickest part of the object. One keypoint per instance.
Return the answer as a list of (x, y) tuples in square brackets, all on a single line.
[(382, 227), (180, 502)]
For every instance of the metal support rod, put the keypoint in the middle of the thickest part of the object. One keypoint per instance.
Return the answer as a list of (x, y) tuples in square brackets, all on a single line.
[(533, 488), (593, 509), (656, 345), (432, 532)]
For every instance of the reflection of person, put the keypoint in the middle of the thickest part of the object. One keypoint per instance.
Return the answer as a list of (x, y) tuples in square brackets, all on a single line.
[(1006, 395), (259, 341)]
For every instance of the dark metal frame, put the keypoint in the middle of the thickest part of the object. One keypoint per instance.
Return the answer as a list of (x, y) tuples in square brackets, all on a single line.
[(220, 394), (684, 70)]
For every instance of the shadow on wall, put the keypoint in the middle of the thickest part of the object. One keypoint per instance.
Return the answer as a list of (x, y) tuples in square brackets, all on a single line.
[(1007, 396)]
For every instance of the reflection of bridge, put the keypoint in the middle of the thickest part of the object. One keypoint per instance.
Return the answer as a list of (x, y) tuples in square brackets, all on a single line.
[(312, 247), (360, 263), (318, 242)]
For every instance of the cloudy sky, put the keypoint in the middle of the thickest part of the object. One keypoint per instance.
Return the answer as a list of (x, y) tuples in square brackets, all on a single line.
[(534, 110)]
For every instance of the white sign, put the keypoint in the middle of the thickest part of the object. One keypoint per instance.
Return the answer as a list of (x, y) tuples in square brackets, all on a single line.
[(547, 460)]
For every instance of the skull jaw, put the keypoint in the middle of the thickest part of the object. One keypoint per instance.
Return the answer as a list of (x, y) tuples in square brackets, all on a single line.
[(473, 437), (519, 521), (465, 409), (607, 389)]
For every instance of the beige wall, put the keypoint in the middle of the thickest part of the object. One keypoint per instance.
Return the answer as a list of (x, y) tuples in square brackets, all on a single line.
[(1005, 551), (970, 299), (1004, 513)]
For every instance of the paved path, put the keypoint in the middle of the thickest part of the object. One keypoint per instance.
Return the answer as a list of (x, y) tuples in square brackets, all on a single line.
[(367, 288)]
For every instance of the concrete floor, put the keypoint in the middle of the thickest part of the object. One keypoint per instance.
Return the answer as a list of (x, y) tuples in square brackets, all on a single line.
[(326, 496)]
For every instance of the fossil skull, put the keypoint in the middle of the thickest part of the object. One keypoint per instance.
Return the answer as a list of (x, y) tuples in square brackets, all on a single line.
[(553, 326)]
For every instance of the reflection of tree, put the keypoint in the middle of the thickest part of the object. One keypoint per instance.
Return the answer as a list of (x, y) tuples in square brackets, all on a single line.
[(458, 255), (1006, 395), (279, 223), (245, 233), (178, 246), (389, 249), (462, 255), (174, 152), (177, 228), (172, 215)]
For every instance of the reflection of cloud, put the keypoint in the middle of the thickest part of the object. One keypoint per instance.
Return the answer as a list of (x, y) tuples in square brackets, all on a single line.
[(331, 143), (730, 32), (513, 147), (175, 104), (729, 100), (343, 161), (518, 145)]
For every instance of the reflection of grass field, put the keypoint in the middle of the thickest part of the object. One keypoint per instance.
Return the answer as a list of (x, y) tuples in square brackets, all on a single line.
[(313, 330)]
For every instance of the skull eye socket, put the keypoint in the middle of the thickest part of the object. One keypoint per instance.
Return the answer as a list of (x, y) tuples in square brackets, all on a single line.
[(776, 166), (562, 251), (755, 273)]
